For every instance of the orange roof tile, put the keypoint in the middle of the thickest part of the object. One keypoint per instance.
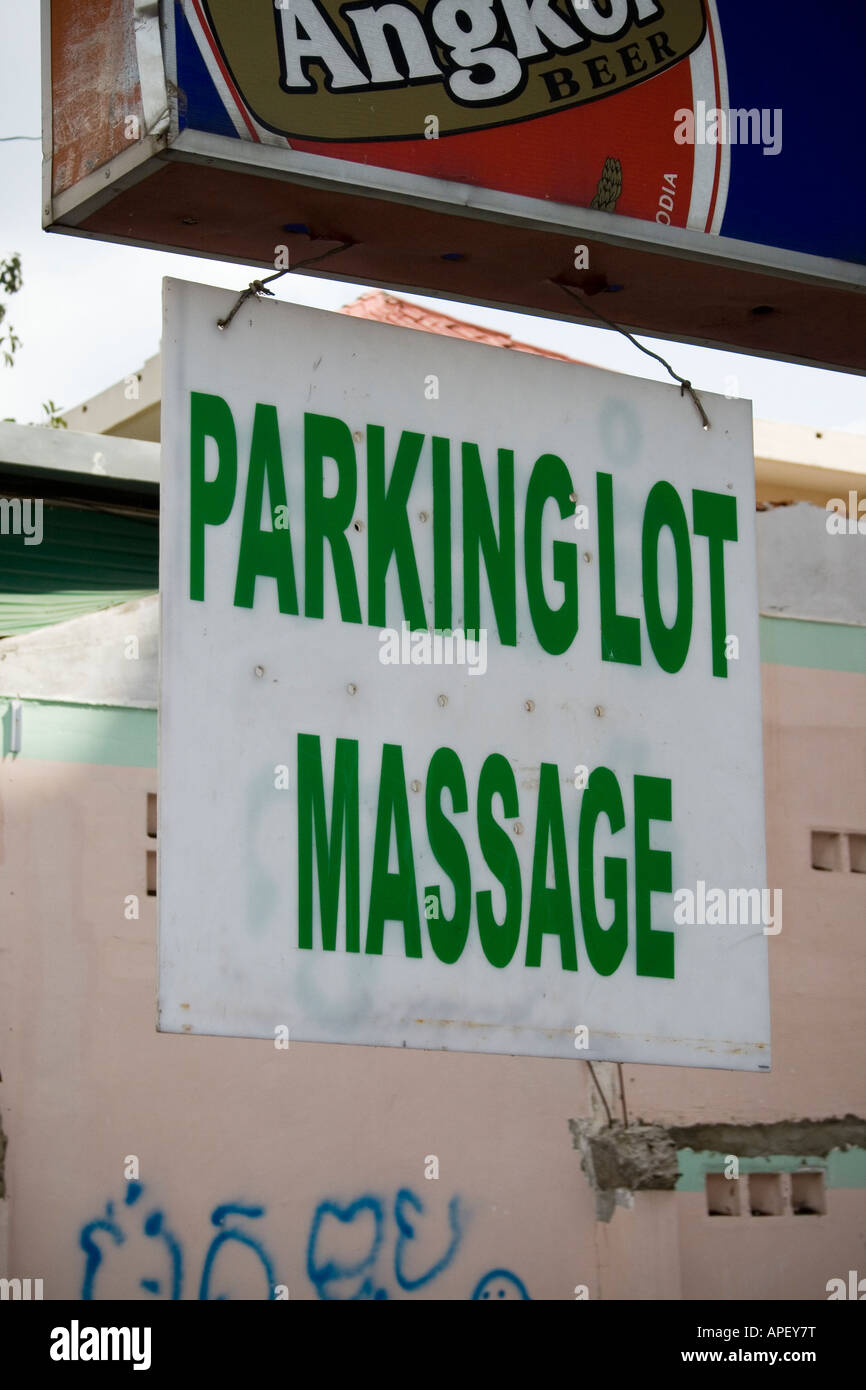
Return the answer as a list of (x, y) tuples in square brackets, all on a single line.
[(387, 308)]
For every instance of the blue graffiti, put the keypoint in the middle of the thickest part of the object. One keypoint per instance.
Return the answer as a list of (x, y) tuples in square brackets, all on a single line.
[(218, 1217), (325, 1274), (345, 1250), (352, 1277), (93, 1252), (152, 1226), (500, 1284), (404, 1199)]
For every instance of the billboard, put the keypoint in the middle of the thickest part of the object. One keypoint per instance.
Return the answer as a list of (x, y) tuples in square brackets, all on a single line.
[(460, 723), (640, 161), (654, 113)]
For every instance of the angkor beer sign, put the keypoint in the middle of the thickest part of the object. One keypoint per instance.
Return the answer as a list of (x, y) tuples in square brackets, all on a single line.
[(654, 109), (308, 68), (639, 161), (460, 711)]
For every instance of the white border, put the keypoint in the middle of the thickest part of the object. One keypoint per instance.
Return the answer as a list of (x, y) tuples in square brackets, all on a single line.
[(724, 101), (151, 66), (703, 156)]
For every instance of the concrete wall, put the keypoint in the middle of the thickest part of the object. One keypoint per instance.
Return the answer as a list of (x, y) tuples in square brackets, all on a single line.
[(295, 1167), (87, 1082)]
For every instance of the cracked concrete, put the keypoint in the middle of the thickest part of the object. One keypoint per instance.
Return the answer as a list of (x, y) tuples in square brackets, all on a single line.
[(799, 1138), (623, 1159), (620, 1160)]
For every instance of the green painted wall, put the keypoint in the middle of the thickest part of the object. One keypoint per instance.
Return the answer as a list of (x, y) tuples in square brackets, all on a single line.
[(817, 646), (841, 1167), (65, 733)]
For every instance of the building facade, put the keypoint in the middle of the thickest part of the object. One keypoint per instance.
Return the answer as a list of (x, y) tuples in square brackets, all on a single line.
[(139, 1165)]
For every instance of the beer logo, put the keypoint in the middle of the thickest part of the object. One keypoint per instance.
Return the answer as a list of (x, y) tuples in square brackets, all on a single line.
[(353, 70)]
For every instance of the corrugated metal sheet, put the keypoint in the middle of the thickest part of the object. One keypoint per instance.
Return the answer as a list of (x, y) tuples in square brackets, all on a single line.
[(86, 560)]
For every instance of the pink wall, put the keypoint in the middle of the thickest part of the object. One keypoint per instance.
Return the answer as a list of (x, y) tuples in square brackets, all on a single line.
[(87, 1082), (814, 762)]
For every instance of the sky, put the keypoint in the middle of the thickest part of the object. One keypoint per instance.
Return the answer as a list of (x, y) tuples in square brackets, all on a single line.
[(90, 312)]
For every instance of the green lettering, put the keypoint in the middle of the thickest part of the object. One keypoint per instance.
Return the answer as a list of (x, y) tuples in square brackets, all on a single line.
[(210, 503), (715, 516), (555, 628), (448, 934), (550, 909), (479, 537), (388, 530), (670, 644), (265, 552), (652, 874), (498, 939), (605, 946), (620, 636), (313, 825), (393, 897), (441, 533), (328, 518)]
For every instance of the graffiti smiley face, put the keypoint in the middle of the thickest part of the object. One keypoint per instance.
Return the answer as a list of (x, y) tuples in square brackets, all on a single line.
[(500, 1284)]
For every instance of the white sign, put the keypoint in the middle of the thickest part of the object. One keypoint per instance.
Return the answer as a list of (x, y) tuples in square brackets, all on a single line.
[(460, 728)]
